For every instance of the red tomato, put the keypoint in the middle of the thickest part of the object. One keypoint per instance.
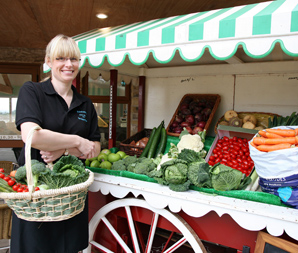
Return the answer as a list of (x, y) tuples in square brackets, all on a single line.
[(211, 163), (212, 158), (15, 187), (2, 170), (2, 175), (225, 138), (20, 189), (11, 182), (36, 188), (217, 160), (6, 178), (219, 145)]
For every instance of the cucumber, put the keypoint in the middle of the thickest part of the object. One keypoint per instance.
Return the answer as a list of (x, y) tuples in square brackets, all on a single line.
[(274, 123), (155, 141), (162, 143), (4, 187), (270, 123), (146, 149), (294, 118)]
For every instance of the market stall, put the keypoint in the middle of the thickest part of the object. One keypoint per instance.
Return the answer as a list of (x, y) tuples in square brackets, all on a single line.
[(247, 55)]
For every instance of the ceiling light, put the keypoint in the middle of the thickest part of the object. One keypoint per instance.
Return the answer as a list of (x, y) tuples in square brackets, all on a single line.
[(101, 16)]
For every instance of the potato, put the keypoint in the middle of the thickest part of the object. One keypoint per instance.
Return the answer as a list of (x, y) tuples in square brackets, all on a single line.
[(250, 118), (230, 114), (248, 125)]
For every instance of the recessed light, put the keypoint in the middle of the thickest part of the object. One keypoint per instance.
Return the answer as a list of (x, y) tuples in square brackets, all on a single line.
[(101, 15)]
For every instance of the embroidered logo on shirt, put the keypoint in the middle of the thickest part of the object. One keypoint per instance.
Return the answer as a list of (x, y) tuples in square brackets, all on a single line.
[(82, 115)]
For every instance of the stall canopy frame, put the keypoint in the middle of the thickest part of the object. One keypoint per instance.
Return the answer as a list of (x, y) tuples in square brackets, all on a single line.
[(255, 27)]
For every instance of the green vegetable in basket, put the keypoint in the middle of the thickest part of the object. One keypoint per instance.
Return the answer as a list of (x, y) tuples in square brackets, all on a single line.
[(70, 165), (36, 167)]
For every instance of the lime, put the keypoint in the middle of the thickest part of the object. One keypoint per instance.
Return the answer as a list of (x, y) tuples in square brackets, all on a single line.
[(95, 164), (93, 158), (106, 151), (106, 165), (102, 157), (87, 162), (113, 157), (121, 153)]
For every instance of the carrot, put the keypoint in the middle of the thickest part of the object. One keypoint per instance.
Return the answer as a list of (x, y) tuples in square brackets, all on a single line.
[(273, 141), (269, 135), (262, 133), (283, 132), (252, 144), (272, 135), (270, 148)]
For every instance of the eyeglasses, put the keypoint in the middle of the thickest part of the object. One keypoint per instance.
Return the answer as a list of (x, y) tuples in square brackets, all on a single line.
[(64, 59)]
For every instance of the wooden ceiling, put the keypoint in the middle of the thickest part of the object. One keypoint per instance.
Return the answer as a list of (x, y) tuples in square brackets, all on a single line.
[(32, 23)]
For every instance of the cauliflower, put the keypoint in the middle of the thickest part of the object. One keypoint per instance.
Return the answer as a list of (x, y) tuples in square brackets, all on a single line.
[(189, 141)]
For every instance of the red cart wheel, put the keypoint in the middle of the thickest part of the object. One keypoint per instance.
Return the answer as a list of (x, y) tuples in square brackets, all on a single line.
[(122, 225)]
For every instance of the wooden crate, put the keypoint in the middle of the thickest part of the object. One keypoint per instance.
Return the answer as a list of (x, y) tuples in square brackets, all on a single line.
[(215, 98), (130, 149)]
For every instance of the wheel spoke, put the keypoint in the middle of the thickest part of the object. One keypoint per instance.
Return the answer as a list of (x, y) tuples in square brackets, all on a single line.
[(152, 232), (116, 235), (101, 247), (132, 229), (176, 245)]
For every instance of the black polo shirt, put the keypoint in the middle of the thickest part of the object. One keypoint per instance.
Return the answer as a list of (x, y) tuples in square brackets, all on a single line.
[(41, 104)]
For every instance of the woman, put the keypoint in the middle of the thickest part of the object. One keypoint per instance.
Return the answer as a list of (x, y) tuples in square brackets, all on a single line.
[(69, 126)]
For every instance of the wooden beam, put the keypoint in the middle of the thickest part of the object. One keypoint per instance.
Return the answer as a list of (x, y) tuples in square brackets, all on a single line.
[(5, 89), (234, 60)]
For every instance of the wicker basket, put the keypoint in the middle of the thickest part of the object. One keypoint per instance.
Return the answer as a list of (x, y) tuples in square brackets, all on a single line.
[(215, 98), (5, 221), (47, 205), (7, 166), (130, 149), (262, 118)]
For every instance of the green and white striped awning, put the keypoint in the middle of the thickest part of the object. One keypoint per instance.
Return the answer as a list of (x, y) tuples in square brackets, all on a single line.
[(256, 27)]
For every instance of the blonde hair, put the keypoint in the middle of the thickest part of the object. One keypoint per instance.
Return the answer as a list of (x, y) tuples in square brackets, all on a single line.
[(62, 46)]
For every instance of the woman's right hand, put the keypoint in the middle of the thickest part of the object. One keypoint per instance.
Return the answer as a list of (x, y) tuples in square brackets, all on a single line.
[(87, 148)]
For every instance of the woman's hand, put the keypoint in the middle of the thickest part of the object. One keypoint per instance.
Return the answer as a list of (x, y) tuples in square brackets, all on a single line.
[(87, 149), (51, 156)]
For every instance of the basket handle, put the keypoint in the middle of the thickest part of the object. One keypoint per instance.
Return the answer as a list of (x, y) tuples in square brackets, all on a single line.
[(28, 158)]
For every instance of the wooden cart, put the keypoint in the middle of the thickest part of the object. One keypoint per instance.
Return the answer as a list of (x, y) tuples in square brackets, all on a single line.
[(120, 207)]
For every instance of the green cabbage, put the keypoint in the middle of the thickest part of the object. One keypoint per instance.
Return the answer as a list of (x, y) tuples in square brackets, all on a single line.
[(224, 178)]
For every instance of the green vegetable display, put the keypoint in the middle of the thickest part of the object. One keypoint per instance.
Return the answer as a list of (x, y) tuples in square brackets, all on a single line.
[(290, 120), (141, 165), (199, 174), (155, 141), (146, 149), (225, 178), (190, 156), (174, 174)]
